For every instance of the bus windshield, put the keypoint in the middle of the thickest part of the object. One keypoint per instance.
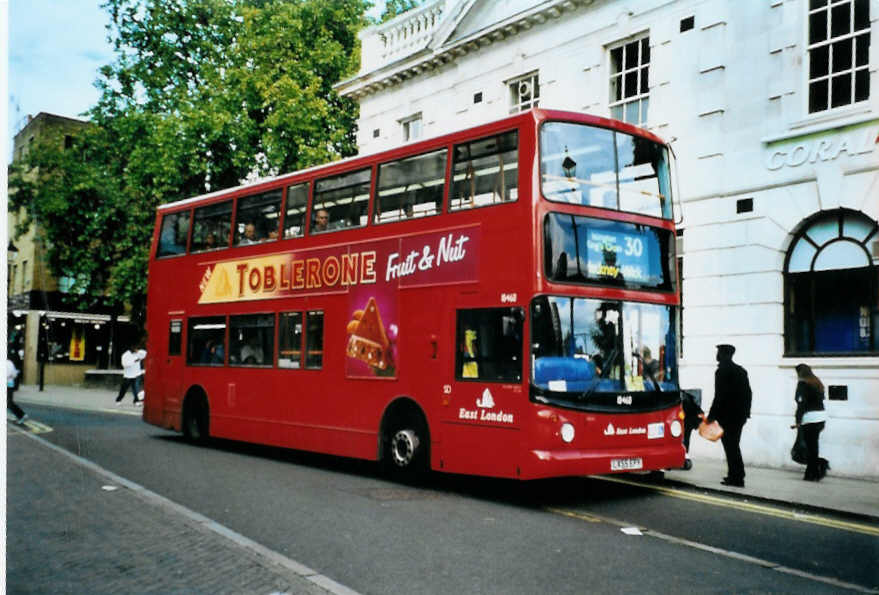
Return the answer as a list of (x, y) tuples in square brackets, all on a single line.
[(588, 352), (598, 167)]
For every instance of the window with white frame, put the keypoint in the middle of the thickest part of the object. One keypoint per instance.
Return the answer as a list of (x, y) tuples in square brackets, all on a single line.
[(524, 92), (831, 279), (839, 53), (411, 128), (629, 80)]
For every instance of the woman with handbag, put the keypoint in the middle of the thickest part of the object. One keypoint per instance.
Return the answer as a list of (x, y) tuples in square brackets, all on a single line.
[(810, 418)]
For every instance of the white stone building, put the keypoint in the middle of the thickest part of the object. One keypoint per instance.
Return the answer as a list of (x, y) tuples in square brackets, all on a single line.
[(772, 108)]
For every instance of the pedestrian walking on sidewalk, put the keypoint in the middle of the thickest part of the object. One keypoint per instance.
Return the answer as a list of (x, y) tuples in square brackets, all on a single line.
[(11, 375), (693, 416), (132, 373), (810, 418), (731, 408)]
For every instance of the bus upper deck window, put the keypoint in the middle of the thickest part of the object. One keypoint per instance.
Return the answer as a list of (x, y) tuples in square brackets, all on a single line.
[(294, 216), (210, 226), (257, 218), (173, 234), (485, 172), (411, 187), (600, 167), (643, 173), (578, 164), (343, 199)]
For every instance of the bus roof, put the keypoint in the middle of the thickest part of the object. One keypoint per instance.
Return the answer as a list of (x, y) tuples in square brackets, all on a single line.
[(536, 114)]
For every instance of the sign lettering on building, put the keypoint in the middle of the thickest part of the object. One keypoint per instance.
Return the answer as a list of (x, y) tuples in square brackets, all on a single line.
[(823, 148)]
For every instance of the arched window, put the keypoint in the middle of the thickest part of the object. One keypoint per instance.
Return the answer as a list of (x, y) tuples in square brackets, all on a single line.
[(831, 277)]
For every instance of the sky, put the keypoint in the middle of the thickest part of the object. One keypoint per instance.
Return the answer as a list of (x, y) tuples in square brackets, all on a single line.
[(55, 50)]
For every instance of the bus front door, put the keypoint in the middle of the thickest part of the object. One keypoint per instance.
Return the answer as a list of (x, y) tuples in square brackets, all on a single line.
[(483, 398)]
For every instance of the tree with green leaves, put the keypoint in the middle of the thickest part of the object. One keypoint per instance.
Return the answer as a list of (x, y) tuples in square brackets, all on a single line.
[(202, 95), (394, 8)]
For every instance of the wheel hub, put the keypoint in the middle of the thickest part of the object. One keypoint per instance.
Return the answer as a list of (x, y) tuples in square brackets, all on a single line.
[(403, 447)]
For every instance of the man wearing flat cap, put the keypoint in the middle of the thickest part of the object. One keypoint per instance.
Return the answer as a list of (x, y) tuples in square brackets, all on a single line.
[(731, 408)]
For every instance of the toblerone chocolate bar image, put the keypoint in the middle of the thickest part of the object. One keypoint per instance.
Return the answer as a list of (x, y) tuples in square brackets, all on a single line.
[(369, 342)]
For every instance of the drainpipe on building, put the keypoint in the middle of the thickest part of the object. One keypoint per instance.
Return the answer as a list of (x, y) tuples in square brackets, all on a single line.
[(42, 348)]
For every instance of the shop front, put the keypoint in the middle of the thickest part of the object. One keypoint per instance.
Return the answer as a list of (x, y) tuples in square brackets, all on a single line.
[(61, 347)]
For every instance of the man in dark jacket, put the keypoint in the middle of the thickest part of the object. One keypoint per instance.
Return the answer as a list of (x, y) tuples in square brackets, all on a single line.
[(731, 408)]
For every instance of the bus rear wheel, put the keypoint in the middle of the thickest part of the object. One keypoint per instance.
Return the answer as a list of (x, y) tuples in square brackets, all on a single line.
[(195, 419)]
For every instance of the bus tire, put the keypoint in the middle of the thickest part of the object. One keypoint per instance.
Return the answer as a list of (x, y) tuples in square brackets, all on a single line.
[(406, 443), (196, 418)]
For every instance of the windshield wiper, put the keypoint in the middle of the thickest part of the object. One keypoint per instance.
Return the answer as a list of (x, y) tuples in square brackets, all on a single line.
[(656, 385), (604, 371)]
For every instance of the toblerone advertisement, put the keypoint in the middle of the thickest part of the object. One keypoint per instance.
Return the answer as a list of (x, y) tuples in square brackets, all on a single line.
[(371, 273)]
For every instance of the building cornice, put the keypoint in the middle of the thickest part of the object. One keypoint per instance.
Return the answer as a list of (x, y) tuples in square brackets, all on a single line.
[(429, 58)]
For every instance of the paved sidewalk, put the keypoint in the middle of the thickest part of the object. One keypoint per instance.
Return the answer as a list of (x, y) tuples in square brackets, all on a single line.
[(833, 493), (73, 527), (836, 494), (74, 397)]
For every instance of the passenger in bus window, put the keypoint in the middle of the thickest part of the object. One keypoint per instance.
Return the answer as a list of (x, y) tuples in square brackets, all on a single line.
[(604, 336), (408, 210), (213, 353), (251, 353), (321, 220), (210, 242), (651, 367), (249, 236)]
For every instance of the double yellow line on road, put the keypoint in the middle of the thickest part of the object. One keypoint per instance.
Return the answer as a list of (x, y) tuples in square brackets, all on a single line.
[(763, 509), (730, 503), (30, 426)]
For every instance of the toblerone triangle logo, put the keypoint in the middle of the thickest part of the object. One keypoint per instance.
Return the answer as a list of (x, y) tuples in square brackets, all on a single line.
[(371, 326), (218, 287), (369, 342)]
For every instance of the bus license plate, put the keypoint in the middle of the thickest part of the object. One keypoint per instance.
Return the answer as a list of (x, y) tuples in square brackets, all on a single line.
[(626, 464)]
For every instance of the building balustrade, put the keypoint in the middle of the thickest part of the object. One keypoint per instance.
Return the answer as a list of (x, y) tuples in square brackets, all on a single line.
[(400, 37)]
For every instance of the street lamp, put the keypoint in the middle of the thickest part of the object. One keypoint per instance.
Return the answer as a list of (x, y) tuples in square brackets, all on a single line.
[(569, 166), (11, 256), (11, 252)]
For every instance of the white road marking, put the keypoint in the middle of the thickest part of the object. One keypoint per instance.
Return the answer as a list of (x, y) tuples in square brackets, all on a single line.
[(625, 525)]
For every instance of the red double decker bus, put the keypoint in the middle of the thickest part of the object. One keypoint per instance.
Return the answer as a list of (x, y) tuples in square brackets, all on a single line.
[(500, 301)]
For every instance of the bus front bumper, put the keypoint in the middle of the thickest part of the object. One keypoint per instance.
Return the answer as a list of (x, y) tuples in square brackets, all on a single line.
[(576, 462)]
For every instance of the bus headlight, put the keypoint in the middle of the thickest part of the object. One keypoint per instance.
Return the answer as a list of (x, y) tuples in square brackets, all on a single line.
[(567, 432), (676, 428)]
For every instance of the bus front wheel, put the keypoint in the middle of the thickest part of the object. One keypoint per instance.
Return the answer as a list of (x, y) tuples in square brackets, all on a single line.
[(406, 445)]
